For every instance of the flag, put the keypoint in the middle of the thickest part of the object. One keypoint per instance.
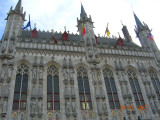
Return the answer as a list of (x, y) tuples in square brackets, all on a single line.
[(119, 42), (28, 24), (55, 41), (83, 30), (150, 36), (34, 33), (107, 31), (96, 38), (64, 36)]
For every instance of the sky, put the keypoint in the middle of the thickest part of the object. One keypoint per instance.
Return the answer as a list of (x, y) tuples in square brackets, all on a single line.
[(55, 14)]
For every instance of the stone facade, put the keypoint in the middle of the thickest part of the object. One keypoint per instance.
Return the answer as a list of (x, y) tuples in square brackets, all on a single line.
[(37, 58)]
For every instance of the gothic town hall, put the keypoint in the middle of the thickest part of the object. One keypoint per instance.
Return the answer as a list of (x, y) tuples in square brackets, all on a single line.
[(65, 76)]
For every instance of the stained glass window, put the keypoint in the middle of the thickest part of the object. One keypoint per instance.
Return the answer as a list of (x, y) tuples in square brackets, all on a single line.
[(21, 86), (111, 89), (53, 100), (84, 89), (155, 82), (135, 87)]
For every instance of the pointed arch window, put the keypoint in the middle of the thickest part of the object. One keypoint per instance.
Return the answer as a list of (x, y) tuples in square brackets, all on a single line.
[(84, 89), (21, 86), (111, 89), (53, 100), (155, 82), (135, 87)]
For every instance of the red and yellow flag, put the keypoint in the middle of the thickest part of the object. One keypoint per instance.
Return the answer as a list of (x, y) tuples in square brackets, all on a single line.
[(83, 30)]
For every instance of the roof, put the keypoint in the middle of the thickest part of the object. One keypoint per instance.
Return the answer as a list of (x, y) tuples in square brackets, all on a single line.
[(46, 37)]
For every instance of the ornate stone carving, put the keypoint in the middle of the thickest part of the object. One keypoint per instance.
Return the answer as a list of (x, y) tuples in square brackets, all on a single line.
[(10, 69), (74, 108), (3, 73), (99, 77), (40, 107), (90, 52), (67, 107), (65, 74), (11, 47), (6, 91), (41, 75), (104, 107), (5, 105), (99, 108), (34, 74), (93, 77), (4, 46), (33, 106)]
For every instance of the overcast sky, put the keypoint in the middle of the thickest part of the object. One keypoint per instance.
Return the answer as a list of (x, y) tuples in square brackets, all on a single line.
[(55, 14)]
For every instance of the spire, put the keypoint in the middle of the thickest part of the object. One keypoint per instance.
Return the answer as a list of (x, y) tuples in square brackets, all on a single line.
[(138, 22), (18, 6), (83, 13)]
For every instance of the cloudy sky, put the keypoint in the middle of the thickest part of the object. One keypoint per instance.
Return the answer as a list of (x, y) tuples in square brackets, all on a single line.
[(55, 14)]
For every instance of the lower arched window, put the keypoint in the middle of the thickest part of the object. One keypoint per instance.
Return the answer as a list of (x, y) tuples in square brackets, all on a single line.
[(53, 100), (111, 89), (155, 82), (20, 91), (135, 87), (84, 89)]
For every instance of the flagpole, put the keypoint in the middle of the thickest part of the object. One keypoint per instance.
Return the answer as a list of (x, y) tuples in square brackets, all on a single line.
[(30, 22), (30, 27)]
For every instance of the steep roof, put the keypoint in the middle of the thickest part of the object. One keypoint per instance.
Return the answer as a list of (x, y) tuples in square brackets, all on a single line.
[(83, 13), (19, 6), (138, 22), (46, 37)]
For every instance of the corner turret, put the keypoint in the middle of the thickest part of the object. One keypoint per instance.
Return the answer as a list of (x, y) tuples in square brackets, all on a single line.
[(146, 39), (15, 19), (126, 33)]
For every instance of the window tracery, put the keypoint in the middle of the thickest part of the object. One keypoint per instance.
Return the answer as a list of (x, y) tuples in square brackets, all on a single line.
[(21, 85), (53, 88), (84, 89), (155, 82), (111, 89), (135, 87)]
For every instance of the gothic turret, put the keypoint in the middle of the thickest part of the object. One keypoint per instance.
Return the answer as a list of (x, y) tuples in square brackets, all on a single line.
[(89, 36), (83, 14), (144, 34), (126, 33), (15, 20), (138, 22)]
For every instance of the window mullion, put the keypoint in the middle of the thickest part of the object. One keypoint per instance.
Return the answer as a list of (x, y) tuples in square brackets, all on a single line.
[(20, 92), (52, 92), (84, 93), (136, 91), (156, 81), (112, 92)]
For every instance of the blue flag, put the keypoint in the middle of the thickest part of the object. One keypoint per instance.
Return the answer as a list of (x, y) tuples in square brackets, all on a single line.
[(28, 24)]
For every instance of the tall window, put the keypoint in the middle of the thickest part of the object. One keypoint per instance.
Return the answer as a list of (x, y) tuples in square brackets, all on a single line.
[(84, 89), (155, 82), (53, 88), (111, 89), (135, 87), (21, 85)]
